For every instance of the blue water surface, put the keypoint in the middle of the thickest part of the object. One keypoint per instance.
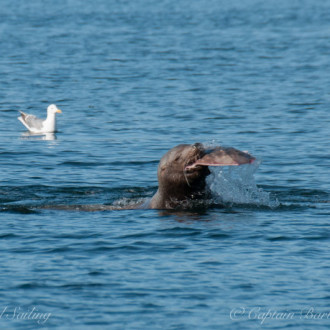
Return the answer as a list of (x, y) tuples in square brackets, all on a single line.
[(134, 79)]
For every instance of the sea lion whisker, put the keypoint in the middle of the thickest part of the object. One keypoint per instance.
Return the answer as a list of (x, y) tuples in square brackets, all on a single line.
[(185, 174)]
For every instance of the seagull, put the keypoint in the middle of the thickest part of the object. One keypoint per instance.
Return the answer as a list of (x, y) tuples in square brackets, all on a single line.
[(36, 125)]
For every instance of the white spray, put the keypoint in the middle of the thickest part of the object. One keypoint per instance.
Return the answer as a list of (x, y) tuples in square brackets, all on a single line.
[(236, 185)]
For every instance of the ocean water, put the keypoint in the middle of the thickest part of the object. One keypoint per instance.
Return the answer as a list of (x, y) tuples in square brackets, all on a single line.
[(134, 79)]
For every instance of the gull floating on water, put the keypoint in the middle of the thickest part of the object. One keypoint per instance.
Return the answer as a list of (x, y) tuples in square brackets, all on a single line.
[(36, 125)]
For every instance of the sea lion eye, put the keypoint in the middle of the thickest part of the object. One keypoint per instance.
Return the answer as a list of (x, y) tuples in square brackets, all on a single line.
[(197, 145)]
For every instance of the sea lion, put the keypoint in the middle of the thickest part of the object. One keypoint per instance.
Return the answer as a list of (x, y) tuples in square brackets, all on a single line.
[(181, 178), (183, 169)]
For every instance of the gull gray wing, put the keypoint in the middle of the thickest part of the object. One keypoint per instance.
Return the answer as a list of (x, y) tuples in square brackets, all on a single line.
[(31, 121)]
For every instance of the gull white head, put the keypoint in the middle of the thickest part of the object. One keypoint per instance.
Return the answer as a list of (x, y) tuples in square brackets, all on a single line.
[(52, 109)]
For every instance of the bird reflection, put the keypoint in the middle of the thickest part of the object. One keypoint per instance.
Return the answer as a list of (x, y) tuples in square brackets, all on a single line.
[(37, 136)]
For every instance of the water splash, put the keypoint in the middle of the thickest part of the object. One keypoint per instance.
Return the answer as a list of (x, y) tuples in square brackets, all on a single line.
[(130, 203), (236, 185)]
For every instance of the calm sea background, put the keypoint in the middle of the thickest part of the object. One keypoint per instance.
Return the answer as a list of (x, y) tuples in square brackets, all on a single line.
[(134, 79)]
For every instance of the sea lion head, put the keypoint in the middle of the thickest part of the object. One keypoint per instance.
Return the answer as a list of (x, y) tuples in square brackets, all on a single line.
[(175, 171)]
